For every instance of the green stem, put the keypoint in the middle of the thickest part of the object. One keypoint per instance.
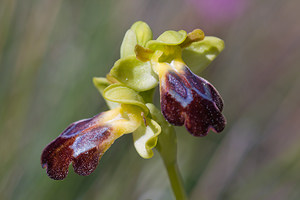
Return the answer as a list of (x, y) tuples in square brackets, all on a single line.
[(167, 148), (176, 181)]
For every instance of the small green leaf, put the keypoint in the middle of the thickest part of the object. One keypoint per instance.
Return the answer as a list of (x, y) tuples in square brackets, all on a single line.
[(121, 94), (200, 54), (134, 73), (145, 138), (143, 32), (128, 44)]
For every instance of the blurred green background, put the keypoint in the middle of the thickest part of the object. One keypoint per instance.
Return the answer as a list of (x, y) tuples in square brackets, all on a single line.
[(51, 49)]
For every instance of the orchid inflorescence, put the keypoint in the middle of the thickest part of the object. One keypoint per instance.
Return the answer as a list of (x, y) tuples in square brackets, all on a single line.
[(186, 99)]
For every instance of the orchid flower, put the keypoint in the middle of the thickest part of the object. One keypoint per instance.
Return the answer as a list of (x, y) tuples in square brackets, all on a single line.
[(84, 142), (186, 99)]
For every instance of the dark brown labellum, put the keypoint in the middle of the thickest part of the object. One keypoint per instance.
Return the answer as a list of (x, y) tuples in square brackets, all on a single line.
[(79, 144), (191, 100)]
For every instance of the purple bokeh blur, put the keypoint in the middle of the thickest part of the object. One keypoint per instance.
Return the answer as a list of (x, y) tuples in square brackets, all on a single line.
[(219, 10)]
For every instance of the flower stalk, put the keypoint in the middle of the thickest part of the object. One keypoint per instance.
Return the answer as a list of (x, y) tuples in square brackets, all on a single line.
[(176, 181), (167, 148)]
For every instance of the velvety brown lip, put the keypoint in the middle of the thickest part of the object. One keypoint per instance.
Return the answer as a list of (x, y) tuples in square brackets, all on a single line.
[(79, 144), (56, 157), (191, 100)]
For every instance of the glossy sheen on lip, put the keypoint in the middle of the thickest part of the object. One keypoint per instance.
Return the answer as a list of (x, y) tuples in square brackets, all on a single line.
[(191, 100), (82, 144)]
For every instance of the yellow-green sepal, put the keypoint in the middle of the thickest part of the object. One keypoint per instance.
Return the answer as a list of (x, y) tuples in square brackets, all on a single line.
[(123, 95), (128, 44), (134, 73), (143, 32), (145, 138), (139, 33), (199, 55)]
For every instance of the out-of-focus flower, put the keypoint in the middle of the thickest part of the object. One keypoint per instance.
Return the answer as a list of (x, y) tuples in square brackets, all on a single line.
[(219, 10)]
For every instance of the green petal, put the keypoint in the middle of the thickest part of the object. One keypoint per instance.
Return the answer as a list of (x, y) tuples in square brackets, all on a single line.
[(167, 43), (167, 38), (199, 54), (143, 32), (134, 73), (145, 138), (128, 44), (172, 37), (102, 83), (121, 94)]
